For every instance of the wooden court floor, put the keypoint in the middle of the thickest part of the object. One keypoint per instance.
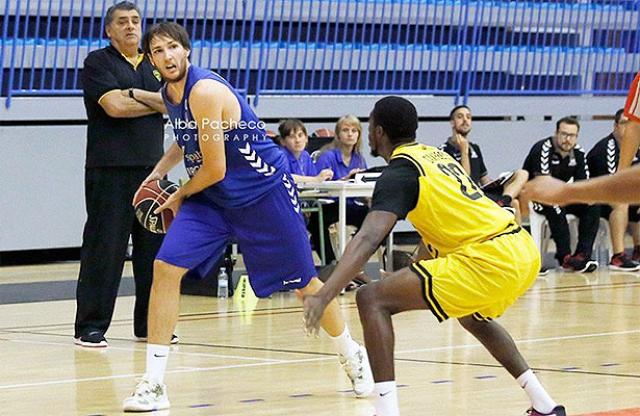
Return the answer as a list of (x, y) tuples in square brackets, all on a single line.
[(580, 332)]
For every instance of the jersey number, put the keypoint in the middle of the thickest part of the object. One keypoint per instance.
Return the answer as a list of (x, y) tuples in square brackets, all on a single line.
[(454, 171)]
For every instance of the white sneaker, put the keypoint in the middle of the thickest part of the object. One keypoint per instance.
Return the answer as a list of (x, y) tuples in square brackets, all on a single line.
[(147, 398), (359, 372)]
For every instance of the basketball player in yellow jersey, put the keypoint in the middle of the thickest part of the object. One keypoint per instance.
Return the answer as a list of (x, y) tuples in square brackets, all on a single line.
[(475, 261)]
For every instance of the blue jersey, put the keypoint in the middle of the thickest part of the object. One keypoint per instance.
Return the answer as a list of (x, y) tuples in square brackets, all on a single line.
[(255, 164), (332, 159), (302, 166)]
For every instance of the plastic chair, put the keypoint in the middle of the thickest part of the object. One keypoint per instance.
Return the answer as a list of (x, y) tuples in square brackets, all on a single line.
[(541, 234)]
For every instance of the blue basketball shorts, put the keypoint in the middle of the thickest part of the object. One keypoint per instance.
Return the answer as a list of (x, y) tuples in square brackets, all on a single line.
[(270, 233)]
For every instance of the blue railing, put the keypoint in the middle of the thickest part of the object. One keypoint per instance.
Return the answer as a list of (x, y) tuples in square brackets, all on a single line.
[(456, 48)]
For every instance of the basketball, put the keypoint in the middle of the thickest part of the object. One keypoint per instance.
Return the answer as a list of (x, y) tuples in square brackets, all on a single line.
[(148, 198)]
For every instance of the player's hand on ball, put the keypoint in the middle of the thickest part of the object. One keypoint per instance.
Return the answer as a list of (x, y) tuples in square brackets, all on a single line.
[(173, 203), (153, 176)]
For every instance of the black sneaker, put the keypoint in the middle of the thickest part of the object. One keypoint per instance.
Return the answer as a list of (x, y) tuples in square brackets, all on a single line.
[(94, 339), (557, 411), (622, 262), (579, 263), (174, 339), (544, 271)]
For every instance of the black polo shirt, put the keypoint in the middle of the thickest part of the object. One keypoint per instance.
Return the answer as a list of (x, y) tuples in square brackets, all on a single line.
[(119, 141), (478, 168), (604, 157), (544, 160)]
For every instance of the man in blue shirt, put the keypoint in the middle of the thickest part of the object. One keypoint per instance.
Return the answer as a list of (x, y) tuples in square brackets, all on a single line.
[(239, 187)]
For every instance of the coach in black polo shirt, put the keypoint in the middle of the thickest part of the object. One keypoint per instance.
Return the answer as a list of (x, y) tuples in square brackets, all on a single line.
[(561, 157), (124, 142)]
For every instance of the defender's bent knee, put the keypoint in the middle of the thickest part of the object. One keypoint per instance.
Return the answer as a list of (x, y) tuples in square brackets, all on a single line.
[(366, 296)]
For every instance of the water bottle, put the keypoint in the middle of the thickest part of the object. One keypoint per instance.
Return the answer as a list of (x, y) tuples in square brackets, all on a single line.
[(223, 283), (602, 255)]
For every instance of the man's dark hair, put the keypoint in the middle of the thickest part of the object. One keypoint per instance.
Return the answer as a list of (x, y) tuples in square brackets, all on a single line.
[(123, 5), (398, 117), (568, 120), (168, 29), (289, 126), (618, 116), (456, 108)]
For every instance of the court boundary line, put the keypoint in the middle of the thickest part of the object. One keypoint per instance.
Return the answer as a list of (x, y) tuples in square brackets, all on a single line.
[(324, 356)]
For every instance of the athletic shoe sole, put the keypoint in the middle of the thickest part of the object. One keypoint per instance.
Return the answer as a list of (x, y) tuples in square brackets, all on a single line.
[(589, 267), (624, 269), (101, 344)]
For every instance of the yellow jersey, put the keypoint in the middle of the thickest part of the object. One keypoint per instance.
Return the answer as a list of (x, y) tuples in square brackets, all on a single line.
[(451, 211)]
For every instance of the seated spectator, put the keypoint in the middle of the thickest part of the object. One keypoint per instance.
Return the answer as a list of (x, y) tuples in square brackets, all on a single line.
[(343, 158), (343, 155), (561, 157), (294, 139), (603, 160), (503, 191)]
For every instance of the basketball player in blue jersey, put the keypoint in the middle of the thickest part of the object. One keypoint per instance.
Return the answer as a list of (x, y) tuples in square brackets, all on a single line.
[(239, 187)]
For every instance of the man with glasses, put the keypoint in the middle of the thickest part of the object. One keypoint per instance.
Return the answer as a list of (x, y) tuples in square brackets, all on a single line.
[(603, 160), (561, 157)]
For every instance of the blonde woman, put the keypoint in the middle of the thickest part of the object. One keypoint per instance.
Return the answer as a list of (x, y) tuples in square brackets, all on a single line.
[(344, 159), (343, 155)]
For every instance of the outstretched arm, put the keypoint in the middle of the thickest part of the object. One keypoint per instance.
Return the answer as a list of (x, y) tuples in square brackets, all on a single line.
[(375, 228), (623, 187)]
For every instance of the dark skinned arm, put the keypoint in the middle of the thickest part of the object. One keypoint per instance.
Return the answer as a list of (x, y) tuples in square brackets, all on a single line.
[(375, 228)]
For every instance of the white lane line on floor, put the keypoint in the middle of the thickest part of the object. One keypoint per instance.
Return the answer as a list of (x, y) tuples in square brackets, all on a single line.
[(141, 350), (268, 362), (176, 371)]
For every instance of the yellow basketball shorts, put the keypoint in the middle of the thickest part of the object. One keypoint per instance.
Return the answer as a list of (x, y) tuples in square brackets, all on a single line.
[(481, 279)]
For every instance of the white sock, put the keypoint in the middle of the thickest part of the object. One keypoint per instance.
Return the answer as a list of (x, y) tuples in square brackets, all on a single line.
[(540, 399), (157, 356), (386, 399), (345, 345)]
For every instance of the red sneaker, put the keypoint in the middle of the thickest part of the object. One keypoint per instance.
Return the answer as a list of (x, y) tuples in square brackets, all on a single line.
[(623, 263)]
